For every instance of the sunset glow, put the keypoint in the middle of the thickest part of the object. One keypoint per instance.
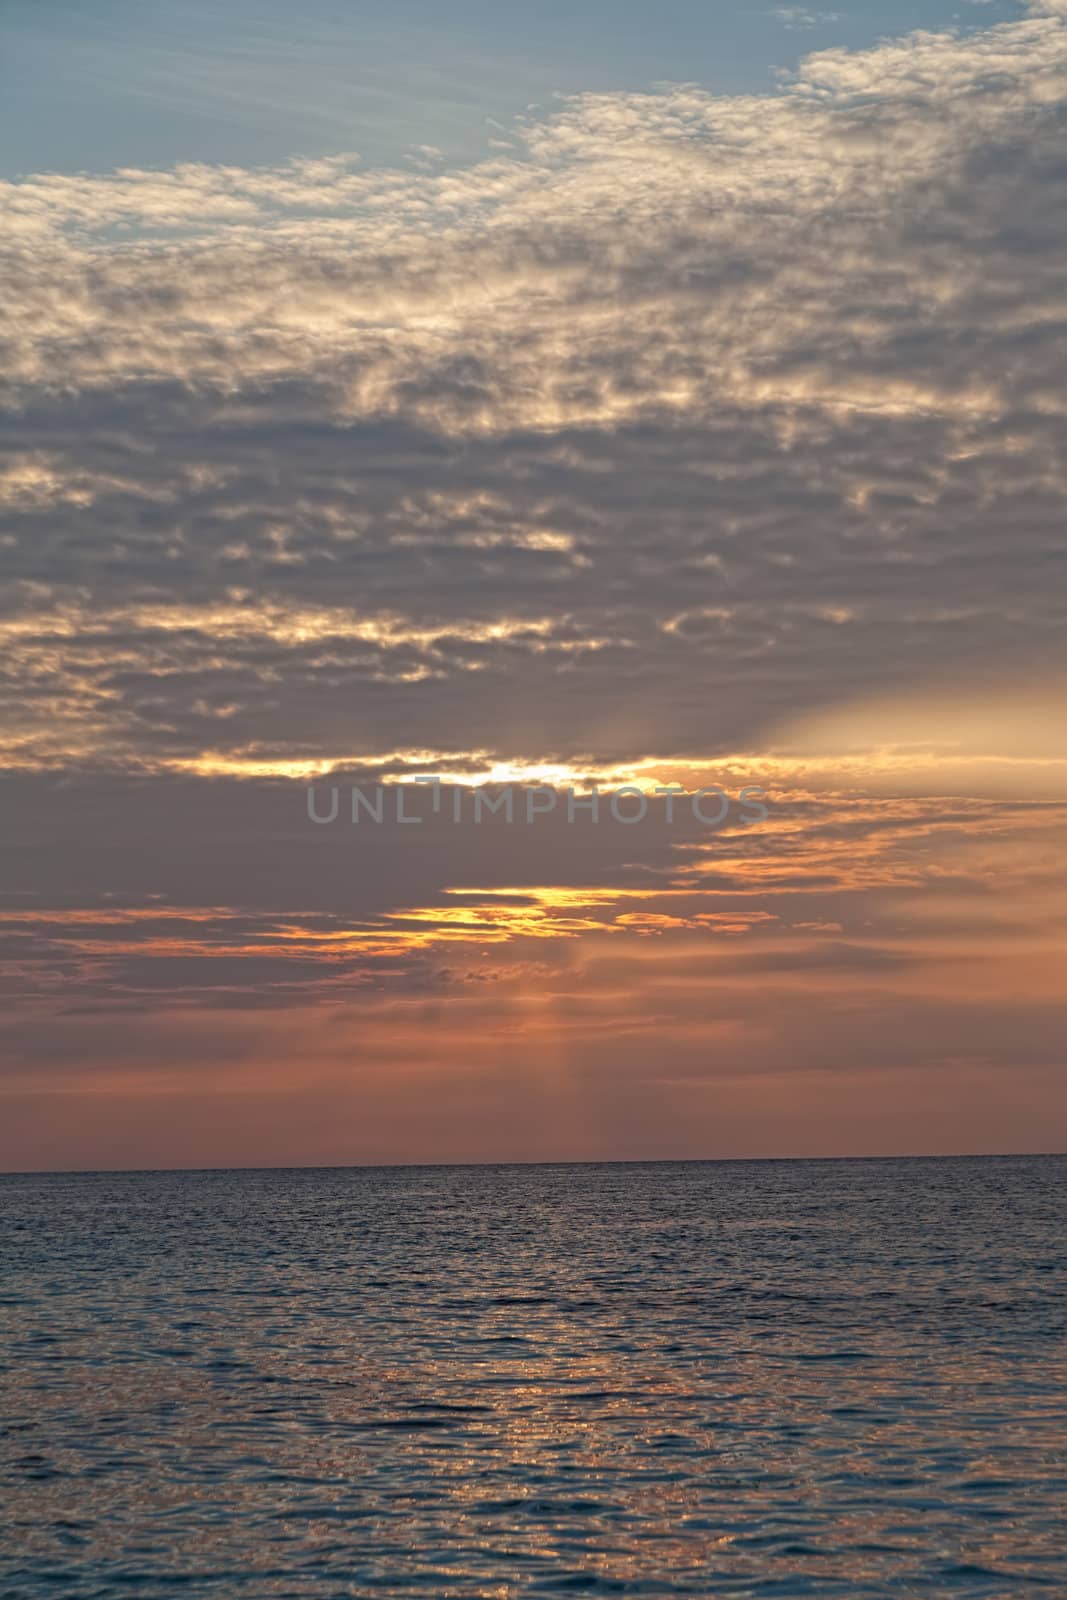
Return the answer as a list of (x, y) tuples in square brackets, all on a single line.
[(656, 435)]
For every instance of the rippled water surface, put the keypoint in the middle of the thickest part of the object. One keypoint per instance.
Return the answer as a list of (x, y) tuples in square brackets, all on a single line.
[(752, 1378)]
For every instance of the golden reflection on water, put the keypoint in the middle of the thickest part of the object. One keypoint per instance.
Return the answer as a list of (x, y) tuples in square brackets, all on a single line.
[(469, 1381)]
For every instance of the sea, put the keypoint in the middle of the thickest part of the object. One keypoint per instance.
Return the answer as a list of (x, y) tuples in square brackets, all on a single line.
[(751, 1378)]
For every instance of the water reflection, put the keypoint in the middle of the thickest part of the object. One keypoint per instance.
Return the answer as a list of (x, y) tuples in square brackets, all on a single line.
[(740, 1379)]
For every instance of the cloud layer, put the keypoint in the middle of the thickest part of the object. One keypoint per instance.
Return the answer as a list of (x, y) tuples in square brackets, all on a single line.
[(682, 427)]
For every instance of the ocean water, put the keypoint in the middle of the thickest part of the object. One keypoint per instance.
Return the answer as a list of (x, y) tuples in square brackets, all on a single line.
[(729, 1379)]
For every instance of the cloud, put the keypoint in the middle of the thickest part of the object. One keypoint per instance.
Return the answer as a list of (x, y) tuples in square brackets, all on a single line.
[(786, 364), (696, 434), (800, 17)]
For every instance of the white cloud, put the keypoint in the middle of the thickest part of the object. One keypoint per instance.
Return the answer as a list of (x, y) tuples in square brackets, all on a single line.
[(801, 17), (761, 360)]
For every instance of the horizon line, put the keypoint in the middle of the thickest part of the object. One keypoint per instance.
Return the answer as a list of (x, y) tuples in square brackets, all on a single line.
[(610, 1161)]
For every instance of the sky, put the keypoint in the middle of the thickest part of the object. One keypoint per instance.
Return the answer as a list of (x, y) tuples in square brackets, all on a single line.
[(149, 83), (630, 396)]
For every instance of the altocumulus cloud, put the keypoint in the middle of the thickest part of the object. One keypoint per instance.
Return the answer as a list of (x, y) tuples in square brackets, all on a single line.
[(696, 404), (693, 419)]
